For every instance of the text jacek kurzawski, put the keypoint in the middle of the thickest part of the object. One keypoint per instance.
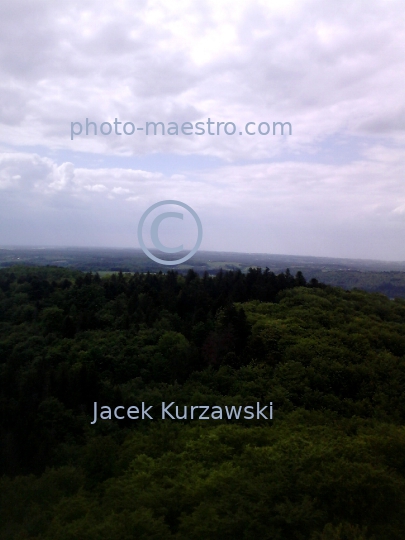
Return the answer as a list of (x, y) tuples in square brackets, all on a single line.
[(172, 411)]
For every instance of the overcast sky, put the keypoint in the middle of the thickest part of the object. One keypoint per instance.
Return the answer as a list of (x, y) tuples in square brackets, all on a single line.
[(334, 70)]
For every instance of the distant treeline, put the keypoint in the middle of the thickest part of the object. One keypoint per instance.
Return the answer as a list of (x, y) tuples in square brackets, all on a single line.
[(372, 276), (392, 284)]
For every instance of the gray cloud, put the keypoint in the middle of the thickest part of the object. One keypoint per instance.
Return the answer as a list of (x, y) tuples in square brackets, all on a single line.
[(279, 207), (325, 67), (333, 69)]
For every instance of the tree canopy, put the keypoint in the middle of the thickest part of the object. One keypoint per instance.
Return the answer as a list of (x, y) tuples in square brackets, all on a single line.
[(329, 465)]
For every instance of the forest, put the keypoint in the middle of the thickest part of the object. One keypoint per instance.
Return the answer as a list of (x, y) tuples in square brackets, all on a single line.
[(329, 466), (370, 275)]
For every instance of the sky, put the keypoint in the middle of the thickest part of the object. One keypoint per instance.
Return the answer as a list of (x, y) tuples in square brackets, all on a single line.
[(335, 71)]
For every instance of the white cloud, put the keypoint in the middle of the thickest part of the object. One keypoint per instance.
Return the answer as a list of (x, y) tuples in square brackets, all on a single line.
[(120, 190), (325, 67), (98, 188), (291, 207), (332, 69)]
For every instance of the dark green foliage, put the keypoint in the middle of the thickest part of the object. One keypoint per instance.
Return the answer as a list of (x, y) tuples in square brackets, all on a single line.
[(330, 466)]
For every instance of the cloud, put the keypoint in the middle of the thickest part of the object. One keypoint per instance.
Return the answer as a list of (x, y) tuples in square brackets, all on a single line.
[(120, 190), (325, 68), (290, 207), (333, 70), (98, 188)]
